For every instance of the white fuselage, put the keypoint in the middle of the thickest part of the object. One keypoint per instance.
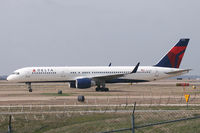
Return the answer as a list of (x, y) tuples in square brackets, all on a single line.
[(86, 77), (68, 74)]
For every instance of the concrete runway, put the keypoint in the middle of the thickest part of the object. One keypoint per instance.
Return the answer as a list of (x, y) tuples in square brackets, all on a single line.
[(164, 92)]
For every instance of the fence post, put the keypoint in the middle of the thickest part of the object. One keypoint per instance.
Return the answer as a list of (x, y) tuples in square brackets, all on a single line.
[(133, 119), (9, 125)]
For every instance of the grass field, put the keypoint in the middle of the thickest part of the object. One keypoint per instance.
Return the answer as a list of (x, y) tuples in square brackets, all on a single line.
[(96, 122)]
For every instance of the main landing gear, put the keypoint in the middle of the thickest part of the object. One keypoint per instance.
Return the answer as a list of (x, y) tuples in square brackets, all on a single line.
[(29, 87), (103, 88)]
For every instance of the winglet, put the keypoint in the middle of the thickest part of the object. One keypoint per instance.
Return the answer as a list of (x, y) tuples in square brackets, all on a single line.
[(136, 68), (110, 64)]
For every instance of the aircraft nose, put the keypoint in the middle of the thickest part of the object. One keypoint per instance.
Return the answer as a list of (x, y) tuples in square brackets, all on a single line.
[(10, 78)]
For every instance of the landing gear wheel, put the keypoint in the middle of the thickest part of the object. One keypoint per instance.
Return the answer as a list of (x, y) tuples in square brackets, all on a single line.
[(106, 89), (29, 87), (98, 89), (102, 89)]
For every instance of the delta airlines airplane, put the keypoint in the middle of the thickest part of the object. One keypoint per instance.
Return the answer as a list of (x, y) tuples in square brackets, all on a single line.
[(86, 77)]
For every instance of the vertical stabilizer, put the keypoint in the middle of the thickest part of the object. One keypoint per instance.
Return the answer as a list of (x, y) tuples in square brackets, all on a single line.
[(174, 57)]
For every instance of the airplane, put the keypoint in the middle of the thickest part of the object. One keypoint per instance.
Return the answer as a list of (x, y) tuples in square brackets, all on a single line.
[(88, 76)]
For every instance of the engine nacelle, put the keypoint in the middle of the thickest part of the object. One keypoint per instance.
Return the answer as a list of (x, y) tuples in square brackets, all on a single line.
[(84, 83)]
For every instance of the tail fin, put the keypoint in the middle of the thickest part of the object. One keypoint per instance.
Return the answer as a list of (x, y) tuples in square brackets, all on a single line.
[(175, 55)]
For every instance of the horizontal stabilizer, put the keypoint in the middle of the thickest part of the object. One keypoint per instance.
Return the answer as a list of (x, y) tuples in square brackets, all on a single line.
[(180, 71)]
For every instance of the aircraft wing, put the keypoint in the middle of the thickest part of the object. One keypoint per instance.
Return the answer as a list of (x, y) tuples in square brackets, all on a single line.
[(179, 71), (106, 77)]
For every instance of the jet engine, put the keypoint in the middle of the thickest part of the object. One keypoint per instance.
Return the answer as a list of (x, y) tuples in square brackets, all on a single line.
[(82, 83)]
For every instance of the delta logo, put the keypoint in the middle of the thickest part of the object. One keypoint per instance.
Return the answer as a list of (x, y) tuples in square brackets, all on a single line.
[(43, 70)]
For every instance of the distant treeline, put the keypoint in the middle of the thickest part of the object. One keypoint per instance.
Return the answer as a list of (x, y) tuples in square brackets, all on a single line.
[(3, 77), (187, 77)]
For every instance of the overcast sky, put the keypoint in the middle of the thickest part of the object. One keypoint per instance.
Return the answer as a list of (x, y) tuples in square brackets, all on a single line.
[(96, 32)]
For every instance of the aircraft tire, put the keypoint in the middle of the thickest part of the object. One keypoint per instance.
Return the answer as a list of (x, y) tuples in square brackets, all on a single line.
[(98, 89), (102, 89), (30, 90), (106, 89)]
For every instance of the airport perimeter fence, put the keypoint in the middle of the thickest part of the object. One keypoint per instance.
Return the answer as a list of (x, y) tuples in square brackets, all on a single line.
[(159, 121), (96, 119)]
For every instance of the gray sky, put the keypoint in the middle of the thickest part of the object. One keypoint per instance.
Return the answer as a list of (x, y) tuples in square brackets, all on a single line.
[(96, 32)]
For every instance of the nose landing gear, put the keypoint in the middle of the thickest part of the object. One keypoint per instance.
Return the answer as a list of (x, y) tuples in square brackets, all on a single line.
[(29, 87)]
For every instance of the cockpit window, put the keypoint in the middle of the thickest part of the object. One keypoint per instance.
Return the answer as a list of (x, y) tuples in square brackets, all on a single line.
[(15, 73)]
